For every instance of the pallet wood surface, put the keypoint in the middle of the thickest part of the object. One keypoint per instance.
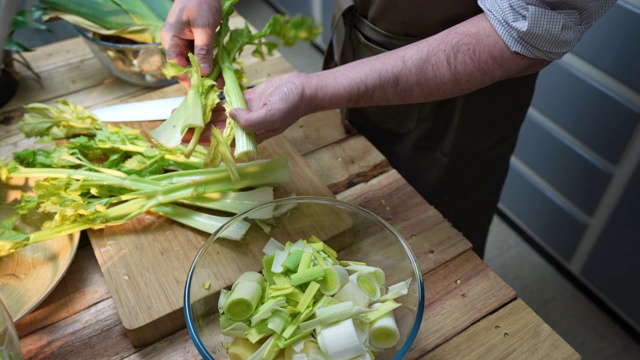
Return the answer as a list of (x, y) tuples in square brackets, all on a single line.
[(465, 299)]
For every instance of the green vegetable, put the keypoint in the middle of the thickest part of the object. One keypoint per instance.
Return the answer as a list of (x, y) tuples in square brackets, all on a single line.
[(340, 341), (383, 332), (196, 109), (138, 20), (294, 316), (243, 299), (335, 277), (105, 175)]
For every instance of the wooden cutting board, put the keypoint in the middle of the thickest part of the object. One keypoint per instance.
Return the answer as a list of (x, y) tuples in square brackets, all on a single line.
[(146, 261)]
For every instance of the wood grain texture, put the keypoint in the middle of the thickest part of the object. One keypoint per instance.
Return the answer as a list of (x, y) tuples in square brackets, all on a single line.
[(458, 293), (95, 333), (346, 163), (513, 332), (82, 286), (315, 131)]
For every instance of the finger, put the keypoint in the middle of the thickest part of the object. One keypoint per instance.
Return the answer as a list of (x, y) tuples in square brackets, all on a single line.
[(177, 49), (203, 47)]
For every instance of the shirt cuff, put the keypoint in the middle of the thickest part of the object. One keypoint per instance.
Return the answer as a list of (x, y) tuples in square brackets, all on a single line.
[(545, 29)]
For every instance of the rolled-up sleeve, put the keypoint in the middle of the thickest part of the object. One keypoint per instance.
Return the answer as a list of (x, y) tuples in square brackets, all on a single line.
[(543, 29)]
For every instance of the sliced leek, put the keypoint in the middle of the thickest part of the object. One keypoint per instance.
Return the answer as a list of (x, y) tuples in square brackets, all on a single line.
[(308, 305)]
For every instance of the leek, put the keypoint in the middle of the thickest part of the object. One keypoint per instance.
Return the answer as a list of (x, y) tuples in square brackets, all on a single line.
[(243, 300), (340, 341), (383, 332), (335, 277), (368, 283), (348, 319)]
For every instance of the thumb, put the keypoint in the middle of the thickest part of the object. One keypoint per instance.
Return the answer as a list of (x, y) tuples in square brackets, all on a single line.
[(242, 117)]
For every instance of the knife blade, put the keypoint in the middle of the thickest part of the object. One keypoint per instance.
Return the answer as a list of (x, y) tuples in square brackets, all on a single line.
[(148, 110)]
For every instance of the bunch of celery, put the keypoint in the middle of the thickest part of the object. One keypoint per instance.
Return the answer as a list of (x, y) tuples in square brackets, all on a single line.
[(307, 304), (195, 111), (137, 20), (105, 175)]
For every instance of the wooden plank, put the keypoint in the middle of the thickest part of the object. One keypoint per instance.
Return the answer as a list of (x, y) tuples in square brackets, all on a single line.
[(513, 332), (176, 346), (458, 293), (82, 286), (93, 333), (314, 131), (55, 55), (59, 82), (346, 163), (432, 238)]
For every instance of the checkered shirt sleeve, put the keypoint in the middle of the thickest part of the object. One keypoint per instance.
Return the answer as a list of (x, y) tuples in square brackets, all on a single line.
[(543, 29)]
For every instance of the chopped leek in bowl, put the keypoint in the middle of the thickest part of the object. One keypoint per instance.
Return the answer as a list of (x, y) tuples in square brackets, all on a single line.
[(320, 279)]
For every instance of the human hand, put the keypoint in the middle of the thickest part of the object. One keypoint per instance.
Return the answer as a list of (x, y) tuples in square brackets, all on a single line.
[(273, 106), (190, 27)]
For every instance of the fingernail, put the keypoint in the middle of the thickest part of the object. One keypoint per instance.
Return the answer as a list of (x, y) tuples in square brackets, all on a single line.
[(205, 68)]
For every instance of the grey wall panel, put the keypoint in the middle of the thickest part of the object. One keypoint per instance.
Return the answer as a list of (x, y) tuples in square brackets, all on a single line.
[(601, 45), (296, 6), (614, 264), (588, 111), (542, 213), (327, 13), (575, 175)]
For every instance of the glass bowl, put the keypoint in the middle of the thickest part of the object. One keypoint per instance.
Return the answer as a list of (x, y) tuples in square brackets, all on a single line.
[(137, 64), (356, 234)]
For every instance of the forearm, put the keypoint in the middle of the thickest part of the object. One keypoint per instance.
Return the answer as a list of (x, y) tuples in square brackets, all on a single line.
[(454, 62)]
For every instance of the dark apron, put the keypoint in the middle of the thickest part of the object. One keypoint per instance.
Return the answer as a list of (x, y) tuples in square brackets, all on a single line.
[(454, 152)]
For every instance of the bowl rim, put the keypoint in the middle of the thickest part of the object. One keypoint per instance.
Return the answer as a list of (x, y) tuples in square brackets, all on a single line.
[(84, 33), (190, 324)]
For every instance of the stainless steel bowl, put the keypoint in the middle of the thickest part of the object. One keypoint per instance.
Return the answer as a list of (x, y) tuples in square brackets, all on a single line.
[(138, 64)]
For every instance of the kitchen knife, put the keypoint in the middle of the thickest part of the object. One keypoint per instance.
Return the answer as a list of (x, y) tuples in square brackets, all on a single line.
[(148, 110)]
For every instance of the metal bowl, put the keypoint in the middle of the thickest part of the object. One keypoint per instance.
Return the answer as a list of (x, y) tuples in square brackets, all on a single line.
[(138, 64)]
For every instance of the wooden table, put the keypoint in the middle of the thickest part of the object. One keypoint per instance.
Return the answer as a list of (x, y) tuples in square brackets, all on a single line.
[(470, 312)]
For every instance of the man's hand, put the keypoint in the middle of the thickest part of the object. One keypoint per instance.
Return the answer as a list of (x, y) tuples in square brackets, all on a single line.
[(190, 27), (273, 106)]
